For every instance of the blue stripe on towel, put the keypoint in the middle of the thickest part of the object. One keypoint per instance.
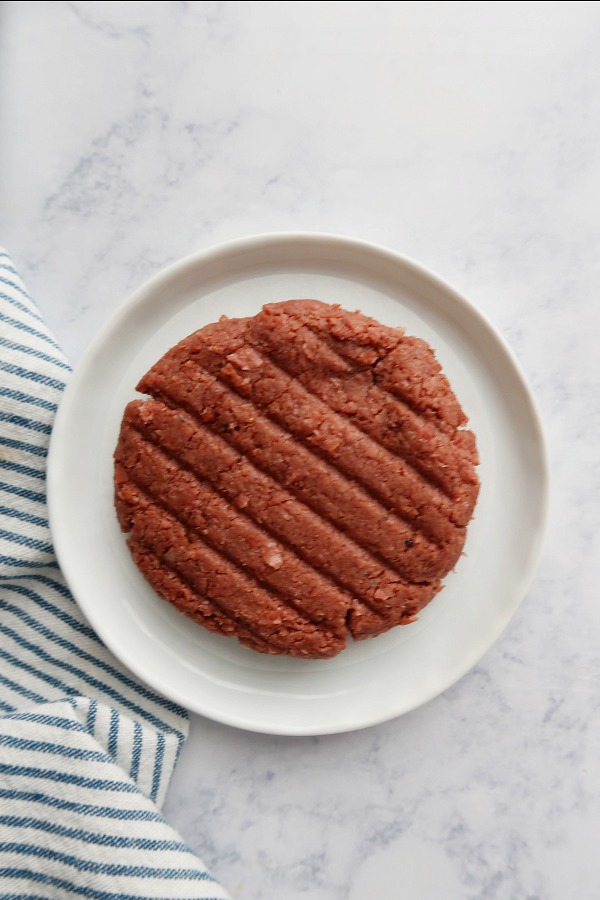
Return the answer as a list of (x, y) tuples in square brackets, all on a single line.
[(34, 449), (22, 492), (83, 890), (116, 869), (26, 541), (10, 298), (28, 398), (34, 332), (63, 777), (90, 837), (30, 375), (31, 351), (22, 470)]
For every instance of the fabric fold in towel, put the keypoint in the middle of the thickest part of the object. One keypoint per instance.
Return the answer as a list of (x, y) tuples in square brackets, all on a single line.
[(86, 750)]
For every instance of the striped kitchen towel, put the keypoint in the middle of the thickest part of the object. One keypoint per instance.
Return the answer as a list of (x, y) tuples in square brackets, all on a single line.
[(86, 750)]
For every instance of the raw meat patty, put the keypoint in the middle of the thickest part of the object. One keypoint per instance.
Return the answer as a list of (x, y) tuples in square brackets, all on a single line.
[(296, 477)]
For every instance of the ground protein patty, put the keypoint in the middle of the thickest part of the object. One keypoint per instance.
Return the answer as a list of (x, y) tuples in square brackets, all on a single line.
[(296, 478)]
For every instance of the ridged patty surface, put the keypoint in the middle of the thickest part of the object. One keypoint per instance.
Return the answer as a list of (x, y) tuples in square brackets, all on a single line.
[(296, 477)]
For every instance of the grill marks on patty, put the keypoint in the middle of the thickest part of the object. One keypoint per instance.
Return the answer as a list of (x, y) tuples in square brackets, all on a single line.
[(209, 517), (295, 540), (396, 414), (316, 480), (288, 484)]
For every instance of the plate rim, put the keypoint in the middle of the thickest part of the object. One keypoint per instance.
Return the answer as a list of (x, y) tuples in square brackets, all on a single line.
[(254, 243)]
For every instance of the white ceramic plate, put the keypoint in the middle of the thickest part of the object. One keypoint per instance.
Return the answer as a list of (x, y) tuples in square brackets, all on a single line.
[(371, 681)]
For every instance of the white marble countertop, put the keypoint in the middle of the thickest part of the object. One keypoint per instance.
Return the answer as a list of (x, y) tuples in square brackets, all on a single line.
[(467, 136)]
